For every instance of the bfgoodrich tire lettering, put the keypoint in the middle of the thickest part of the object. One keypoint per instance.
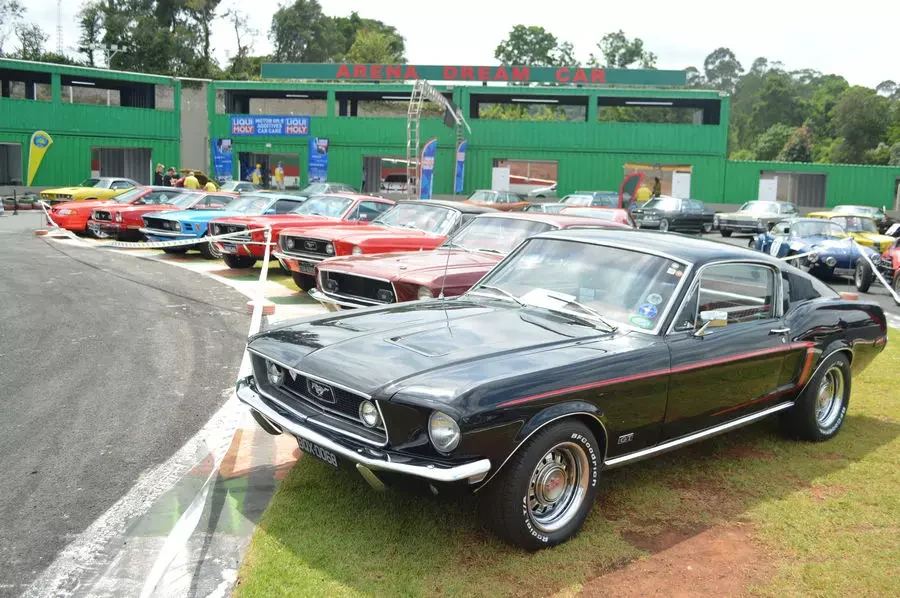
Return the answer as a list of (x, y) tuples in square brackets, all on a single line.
[(544, 493), (821, 409)]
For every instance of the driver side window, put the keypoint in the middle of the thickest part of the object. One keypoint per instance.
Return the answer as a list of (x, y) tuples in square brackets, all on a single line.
[(746, 292)]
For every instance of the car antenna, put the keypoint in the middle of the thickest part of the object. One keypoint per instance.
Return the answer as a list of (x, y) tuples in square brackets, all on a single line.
[(446, 268)]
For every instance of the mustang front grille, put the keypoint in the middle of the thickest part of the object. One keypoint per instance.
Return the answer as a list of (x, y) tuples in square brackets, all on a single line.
[(225, 229), (349, 285), (102, 215), (160, 224), (305, 246)]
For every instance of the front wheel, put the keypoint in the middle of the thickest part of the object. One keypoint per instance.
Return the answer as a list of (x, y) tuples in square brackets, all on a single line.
[(725, 233), (209, 250), (863, 276), (544, 493), (304, 281), (663, 225), (820, 409), (706, 228), (239, 262)]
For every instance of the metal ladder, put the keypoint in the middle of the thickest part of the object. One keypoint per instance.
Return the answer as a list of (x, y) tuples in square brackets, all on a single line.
[(413, 116)]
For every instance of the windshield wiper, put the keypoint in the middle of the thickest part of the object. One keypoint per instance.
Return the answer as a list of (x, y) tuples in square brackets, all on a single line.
[(455, 246), (486, 250), (500, 291), (590, 311)]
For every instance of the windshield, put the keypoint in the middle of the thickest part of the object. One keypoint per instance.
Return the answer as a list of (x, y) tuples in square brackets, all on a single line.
[(856, 224), (624, 286), (129, 195), (433, 219), (185, 200), (760, 207), (817, 229), (331, 206), (483, 197), (250, 204), (315, 189), (599, 213), (577, 200), (867, 210), (669, 204), (90, 183), (500, 235)]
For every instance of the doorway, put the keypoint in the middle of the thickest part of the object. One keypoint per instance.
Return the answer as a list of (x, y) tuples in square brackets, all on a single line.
[(385, 175), (803, 189), (268, 162), (674, 179), (132, 163), (897, 194), (10, 164)]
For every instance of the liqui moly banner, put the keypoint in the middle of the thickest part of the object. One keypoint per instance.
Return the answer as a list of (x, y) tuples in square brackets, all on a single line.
[(426, 179), (460, 166), (269, 126)]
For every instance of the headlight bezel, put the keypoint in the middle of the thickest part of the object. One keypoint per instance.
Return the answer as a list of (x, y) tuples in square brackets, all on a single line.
[(274, 374), (424, 293), (329, 248), (370, 408), (440, 418), (357, 250)]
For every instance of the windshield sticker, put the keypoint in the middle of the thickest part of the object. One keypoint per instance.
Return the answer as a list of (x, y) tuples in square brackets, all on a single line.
[(654, 298), (647, 310), (641, 322)]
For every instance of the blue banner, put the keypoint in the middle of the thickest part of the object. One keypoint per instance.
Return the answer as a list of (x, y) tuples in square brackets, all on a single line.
[(429, 152), (222, 160), (318, 160), (270, 126), (460, 166)]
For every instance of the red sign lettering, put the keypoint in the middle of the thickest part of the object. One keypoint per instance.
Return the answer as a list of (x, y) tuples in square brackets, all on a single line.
[(376, 71), (484, 73), (411, 73), (343, 72), (521, 73), (579, 77), (598, 76), (501, 74), (359, 71), (451, 73), (562, 75), (394, 71), (467, 73)]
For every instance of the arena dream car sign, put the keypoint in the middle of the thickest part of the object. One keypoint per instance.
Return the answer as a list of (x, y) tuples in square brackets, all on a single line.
[(270, 126), (517, 74)]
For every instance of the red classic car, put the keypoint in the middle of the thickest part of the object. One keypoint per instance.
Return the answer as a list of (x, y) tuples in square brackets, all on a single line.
[(321, 210), (450, 270), (411, 225), (74, 215), (619, 215), (125, 222)]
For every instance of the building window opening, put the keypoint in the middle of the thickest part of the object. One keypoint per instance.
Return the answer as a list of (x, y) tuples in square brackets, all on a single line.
[(378, 104), (803, 189), (535, 178), (10, 164), (529, 107), (386, 176), (296, 102), (659, 110), (25, 85), (674, 180)]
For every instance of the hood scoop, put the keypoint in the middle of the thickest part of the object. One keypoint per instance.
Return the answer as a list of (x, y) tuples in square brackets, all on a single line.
[(438, 342)]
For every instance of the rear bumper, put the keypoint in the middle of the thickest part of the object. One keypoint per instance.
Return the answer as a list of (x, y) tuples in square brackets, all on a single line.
[(377, 460)]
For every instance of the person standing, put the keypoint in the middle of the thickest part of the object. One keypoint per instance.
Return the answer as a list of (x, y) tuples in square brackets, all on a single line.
[(158, 176), (279, 177), (657, 187), (256, 176), (191, 182), (170, 177), (210, 186)]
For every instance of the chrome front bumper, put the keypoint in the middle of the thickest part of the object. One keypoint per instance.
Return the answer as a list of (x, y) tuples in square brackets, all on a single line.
[(164, 233), (332, 304), (474, 471)]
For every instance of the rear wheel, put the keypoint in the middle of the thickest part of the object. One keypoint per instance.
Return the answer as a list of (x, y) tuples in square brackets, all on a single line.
[(239, 262), (725, 233), (208, 250), (706, 228), (663, 225), (175, 250), (304, 281), (819, 411), (863, 276), (544, 493)]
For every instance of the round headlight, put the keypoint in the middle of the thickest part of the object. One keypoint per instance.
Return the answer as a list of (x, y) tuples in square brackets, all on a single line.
[(813, 258), (357, 250), (830, 262), (369, 415), (425, 293), (443, 431), (275, 374), (289, 244), (329, 249), (118, 216)]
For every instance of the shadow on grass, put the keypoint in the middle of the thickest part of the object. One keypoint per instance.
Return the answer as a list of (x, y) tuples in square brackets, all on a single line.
[(326, 532)]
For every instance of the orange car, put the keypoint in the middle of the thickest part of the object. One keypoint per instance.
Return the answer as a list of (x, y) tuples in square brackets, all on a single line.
[(612, 214), (504, 201), (74, 215)]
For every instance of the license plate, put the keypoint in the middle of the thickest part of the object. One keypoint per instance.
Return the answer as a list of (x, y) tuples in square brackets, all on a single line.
[(229, 247), (318, 452), (307, 268)]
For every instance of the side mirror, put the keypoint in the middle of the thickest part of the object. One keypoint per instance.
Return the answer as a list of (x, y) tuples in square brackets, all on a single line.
[(712, 319)]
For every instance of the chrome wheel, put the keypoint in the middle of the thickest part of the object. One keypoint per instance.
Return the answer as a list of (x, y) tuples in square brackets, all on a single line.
[(830, 397), (794, 262), (558, 486), (664, 225), (857, 277), (707, 228)]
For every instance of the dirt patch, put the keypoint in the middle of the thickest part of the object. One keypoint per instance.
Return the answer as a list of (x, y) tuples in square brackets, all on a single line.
[(823, 493), (720, 561)]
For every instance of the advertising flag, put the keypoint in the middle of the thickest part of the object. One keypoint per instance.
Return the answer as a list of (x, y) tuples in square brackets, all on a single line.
[(426, 179), (460, 166), (318, 160), (223, 160), (40, 143)]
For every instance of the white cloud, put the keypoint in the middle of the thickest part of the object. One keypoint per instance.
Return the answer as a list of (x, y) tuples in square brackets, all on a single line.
[(799, 33)]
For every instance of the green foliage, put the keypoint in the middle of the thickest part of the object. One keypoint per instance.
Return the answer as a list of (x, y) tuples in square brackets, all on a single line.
[(861, 117), (880, 156), (349, 27), (722, 69), (535, 112), (894, 159), (31, 41), (373, 46), (534, 46), (298, 33), (776, 103), (743, 154), (770, 143), (798, 148), (617, 51)]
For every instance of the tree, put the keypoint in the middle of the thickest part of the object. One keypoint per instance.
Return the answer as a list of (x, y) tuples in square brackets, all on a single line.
[(798, 148), (299, 32), (895, 155), (887, 88), (722, 69), (90, 22), (11, 13), (372, 47), (533, 46), (245, 37), (776, 103), (348, 27), (694, 77), (861, 118), (202, 13), (31, 41), (879, 156), (620, 52), (770, 143)]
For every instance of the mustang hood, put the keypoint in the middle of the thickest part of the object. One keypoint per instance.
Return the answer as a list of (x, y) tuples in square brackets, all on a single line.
[(419, 266), (143, 209), (403, 345), (356, 234), (197, 215), (86, 204), (291, 220)]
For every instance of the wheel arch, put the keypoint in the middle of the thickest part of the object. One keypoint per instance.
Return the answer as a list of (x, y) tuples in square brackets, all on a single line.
[(832, 349)]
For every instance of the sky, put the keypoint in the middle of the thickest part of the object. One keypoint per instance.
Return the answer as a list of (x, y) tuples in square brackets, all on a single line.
[(860, 43)]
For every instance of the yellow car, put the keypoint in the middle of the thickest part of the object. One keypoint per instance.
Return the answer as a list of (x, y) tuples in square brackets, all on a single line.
[(862, 228), (101, 188)]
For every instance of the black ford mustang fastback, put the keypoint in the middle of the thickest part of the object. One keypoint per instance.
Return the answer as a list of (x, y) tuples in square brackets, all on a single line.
[(581, 351)]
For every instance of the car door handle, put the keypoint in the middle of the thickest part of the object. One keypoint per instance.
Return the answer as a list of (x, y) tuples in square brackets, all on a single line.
[(779, 331)]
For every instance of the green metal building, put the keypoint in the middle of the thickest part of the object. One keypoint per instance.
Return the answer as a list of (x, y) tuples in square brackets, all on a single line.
[(107, 122)]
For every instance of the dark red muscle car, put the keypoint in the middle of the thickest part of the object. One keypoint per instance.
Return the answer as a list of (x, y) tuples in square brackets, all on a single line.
[(460, 262)]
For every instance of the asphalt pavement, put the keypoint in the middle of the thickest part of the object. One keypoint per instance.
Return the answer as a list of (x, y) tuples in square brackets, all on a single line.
[(108, 364)]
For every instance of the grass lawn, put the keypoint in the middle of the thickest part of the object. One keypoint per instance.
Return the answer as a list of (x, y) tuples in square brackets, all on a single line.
[(824, 520)]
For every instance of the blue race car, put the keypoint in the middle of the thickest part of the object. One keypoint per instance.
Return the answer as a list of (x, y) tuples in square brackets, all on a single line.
[(831, 250), (194, 224)]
